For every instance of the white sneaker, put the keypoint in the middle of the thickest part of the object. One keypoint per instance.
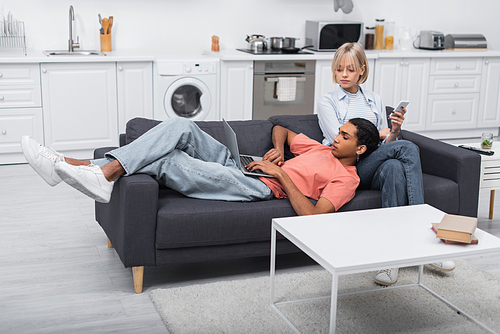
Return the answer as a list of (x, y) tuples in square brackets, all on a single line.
[(443, 265), (387, 276), (42, 159), (89, 180)]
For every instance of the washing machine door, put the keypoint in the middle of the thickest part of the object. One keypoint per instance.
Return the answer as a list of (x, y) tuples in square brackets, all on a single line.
[(188, 98)]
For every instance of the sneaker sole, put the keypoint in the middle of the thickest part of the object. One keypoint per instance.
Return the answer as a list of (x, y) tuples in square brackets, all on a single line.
[(385, 283), (440, 268), (68, 177), (25, 147)]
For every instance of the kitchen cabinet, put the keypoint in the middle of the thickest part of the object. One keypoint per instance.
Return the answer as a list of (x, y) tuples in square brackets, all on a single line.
[(236, 90), (399, 79), (489, 106), (134, 91), (20, 109), (324, 79), (454, 91), (79, 106)]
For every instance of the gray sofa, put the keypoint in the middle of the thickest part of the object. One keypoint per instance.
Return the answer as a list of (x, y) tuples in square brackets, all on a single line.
[(150, 225)]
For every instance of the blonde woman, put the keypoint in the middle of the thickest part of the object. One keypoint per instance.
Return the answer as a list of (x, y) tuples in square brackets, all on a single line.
[(394, 168)]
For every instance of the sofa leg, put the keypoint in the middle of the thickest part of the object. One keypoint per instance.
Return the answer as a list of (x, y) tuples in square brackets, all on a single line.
[(110, 245), (138, 274)]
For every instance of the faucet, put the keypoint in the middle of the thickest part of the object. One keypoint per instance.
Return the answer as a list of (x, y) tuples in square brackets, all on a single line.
[(71, 44)]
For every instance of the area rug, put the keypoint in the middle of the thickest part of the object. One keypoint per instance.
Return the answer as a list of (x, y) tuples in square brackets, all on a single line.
[(242, 306)]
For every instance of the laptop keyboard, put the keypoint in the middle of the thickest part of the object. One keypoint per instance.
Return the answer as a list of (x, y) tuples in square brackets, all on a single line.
[(245, 160)]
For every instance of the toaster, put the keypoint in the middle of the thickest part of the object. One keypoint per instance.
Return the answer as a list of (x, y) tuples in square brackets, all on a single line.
[(431, 40)]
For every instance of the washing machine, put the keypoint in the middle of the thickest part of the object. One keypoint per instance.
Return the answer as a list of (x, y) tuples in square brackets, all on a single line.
[(186, 88)]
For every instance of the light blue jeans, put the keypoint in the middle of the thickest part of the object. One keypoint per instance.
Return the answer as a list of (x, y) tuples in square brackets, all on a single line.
[(178, 154), (394, 169)]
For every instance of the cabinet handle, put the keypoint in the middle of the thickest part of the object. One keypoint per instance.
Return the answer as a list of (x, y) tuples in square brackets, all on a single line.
[(44, 70), (486, 62), (402, 64), (458, 65), (406, 64), (453, 111), (4, 132), (456, 84), (1, 97), (120, 68), (1, 74)]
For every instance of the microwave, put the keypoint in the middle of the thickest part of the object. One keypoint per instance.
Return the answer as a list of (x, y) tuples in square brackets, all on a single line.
[(329, 36)]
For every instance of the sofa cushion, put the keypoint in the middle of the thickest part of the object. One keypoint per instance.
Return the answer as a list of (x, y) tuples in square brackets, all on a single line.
[(183, 222)]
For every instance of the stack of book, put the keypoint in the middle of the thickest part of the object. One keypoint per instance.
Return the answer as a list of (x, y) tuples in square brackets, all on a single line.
[(455, 229)]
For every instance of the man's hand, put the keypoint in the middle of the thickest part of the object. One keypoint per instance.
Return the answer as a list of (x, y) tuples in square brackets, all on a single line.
[(384, 133), (267, 167), (275, 156)]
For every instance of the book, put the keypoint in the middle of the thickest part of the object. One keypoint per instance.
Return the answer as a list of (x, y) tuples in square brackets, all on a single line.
[(474, 241), (457, 228)]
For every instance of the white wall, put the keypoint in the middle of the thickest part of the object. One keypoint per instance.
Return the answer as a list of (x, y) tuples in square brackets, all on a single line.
[(186, 26)]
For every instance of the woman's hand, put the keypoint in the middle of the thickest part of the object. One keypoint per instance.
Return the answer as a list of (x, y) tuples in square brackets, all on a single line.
[(397, 119), (275, 156), (384, 133)]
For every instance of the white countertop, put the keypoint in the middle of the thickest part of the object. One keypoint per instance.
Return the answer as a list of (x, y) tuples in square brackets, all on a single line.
[(37, 56)]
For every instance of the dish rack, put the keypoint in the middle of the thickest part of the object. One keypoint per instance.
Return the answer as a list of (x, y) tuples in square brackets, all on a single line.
[(12, 37)]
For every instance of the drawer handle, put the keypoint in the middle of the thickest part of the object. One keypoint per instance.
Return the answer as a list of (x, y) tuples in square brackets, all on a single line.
[(458, 65), (1, 74), (1, 97), (4, 132), (453, 111), (456, 84)]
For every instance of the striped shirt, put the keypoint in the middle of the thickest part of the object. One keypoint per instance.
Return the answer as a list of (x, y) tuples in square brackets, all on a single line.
[(357, 106)]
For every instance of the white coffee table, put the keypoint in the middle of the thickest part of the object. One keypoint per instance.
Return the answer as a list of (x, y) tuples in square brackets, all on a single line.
[(369, 240)]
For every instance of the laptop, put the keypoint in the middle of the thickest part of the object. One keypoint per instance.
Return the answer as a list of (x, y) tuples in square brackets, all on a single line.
[(241, 159)]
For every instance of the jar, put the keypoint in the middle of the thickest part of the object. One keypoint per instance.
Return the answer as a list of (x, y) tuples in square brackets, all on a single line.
[(379, 34), (389, 36), (369, 38), (405, 39), (486, 140)]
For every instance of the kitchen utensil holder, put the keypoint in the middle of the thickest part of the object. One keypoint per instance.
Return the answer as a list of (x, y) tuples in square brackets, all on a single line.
[(105, 42), (12, 37)]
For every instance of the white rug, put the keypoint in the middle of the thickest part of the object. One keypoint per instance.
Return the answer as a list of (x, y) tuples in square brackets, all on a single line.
[(242, 306)]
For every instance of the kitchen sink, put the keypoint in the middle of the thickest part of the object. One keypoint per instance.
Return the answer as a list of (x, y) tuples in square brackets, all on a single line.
[(73, 53)]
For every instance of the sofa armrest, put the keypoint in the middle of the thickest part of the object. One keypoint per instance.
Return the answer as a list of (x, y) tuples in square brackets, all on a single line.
[(129, 219), (451, 162), (99, 153)]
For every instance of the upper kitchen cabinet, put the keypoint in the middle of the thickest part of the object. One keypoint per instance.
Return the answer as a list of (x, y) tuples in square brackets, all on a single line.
[(236, 90), (80, 106), (399, 79), (489, 107), (324, 79), (20, 109), (135, 91)]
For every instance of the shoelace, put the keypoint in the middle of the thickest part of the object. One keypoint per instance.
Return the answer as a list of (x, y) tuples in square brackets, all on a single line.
[(387, 272), (51, 154)]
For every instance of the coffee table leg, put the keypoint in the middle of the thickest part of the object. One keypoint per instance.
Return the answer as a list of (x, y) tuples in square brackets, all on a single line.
[(333, 308), (492, 203), (273, 261)]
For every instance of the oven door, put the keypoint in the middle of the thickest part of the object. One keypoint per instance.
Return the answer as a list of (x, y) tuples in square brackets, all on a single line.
[(266, 101)]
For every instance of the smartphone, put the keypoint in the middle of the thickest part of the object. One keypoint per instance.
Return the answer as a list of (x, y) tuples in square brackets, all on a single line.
[(403, 104)]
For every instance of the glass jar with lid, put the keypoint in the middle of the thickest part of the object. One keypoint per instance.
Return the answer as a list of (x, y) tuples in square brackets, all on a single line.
[(379, 34)]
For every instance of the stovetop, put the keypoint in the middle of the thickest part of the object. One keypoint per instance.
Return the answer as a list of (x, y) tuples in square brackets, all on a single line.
[(273, 52)]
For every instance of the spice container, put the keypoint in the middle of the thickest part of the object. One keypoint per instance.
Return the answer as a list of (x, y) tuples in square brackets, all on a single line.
[(379, 34), (389, 36), (369, 38)]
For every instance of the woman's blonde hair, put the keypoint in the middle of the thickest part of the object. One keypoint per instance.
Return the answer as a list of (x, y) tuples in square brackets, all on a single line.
[(351, 53)]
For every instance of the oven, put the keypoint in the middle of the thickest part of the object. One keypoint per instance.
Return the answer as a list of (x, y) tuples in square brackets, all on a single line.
[(283, 87)]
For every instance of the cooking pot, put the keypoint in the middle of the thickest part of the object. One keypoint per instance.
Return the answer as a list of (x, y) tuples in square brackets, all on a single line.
[(256, 42), (289, 42), (276, 43)]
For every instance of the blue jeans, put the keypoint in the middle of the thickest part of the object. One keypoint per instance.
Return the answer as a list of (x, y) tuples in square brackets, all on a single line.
[(178, 154), (394, 169)]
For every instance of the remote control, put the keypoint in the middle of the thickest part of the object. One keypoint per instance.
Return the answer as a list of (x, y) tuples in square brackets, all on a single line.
[(478, 150)]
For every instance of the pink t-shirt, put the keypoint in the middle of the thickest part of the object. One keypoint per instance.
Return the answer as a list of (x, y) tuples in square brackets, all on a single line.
[(316, 173)]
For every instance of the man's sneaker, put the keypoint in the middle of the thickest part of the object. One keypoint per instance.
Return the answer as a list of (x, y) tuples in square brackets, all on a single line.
[(387, 276), (42, 159), (89, 180), (443, 265)]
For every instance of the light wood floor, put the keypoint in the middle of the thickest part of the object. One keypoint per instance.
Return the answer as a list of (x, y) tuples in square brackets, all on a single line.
[(60, 277)]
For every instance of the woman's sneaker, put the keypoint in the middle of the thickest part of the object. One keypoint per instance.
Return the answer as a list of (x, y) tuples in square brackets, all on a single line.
[(443, 265), (42, 159), (387, 276), (89, 180)]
